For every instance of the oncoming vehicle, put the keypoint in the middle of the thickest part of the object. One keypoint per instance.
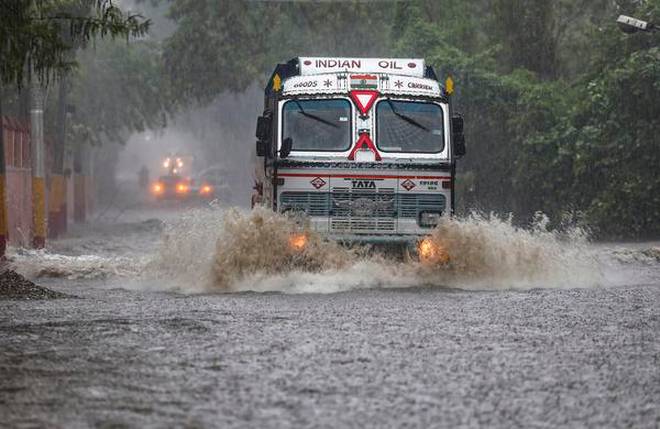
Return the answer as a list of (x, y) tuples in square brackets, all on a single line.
[(364, 148), (171, 186), (175, 186)]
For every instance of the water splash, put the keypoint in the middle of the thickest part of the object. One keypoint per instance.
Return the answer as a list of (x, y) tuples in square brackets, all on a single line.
[(44, 264), (488, 252), (265, 243), (228, 250), (184, 257), (253, 253)]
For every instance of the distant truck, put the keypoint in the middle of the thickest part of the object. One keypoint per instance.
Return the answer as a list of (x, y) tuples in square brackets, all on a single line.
[(174, 185), (365, 148)]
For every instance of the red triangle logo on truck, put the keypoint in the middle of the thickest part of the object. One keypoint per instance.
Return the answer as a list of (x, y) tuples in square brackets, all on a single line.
[(363, 99), (364, 142)]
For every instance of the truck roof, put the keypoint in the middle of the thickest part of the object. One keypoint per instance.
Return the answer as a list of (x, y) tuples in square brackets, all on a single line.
[(311, 66)]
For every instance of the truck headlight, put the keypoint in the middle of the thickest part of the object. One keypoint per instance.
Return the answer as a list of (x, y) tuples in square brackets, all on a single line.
[(298, 241), (157, 188), (181, 188), (432, 252), (429, 219)]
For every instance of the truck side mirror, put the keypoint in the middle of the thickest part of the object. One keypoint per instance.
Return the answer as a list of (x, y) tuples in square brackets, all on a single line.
[(457, 135), (263, 133), (261, 148), (263, 127), (459, 145), (457, 124), (287, 144)]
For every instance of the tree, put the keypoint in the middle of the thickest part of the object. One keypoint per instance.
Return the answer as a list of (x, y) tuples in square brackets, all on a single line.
[(38, 35), (526, 28), (37, 39), (118, 89), (226, 45)]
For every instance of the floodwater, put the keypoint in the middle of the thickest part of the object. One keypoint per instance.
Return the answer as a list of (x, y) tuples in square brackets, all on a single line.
[(203, 319)]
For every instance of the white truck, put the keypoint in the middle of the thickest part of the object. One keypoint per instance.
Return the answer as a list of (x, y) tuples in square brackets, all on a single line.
[(365, 148)]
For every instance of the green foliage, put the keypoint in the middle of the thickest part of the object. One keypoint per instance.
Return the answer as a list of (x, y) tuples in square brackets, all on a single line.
[(618, 146), (225, 45), (599, 152), (37, 36), (548, 131), (118, 89)]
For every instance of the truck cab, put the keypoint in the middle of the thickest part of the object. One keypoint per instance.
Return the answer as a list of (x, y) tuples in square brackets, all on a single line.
[(364, 148)]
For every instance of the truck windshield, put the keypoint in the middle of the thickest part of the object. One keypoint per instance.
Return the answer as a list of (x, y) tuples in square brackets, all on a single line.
[(317, 125), (409, 126)]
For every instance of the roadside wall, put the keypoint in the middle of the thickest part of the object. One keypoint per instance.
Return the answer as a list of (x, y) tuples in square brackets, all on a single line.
[(19, 181), (68, 196)]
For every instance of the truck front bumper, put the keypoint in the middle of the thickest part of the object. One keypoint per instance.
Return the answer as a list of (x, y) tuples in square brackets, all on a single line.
[(411, 240)]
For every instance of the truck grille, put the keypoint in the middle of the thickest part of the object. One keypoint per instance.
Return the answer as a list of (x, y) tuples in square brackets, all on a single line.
[(361, 211), (312, 203), (411, 205)]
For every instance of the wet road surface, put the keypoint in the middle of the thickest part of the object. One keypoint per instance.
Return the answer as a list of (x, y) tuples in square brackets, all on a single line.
[(374, 358), (117, 357)]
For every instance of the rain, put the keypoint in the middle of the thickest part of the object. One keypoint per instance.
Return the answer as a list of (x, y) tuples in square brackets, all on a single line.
[(337, 213)]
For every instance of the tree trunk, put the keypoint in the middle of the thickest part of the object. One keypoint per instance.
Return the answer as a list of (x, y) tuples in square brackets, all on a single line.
[(3, 197)]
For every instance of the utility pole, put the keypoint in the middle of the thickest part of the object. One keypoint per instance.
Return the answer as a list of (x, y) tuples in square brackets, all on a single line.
[(3, 196), (79, 199), (57, 193), (38, 167)]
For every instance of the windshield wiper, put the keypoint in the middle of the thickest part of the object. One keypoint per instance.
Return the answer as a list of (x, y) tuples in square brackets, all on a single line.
[(310, 115), (406, 118)]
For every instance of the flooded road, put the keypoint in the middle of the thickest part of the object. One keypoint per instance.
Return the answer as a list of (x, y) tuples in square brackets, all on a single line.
[(140, 346)]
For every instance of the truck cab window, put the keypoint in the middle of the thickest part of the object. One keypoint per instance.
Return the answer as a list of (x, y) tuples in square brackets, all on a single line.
[(409, 126), (317, 125)]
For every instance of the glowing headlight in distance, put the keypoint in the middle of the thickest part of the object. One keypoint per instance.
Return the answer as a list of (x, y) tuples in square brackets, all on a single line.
[(181, 188), (157, 188)]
